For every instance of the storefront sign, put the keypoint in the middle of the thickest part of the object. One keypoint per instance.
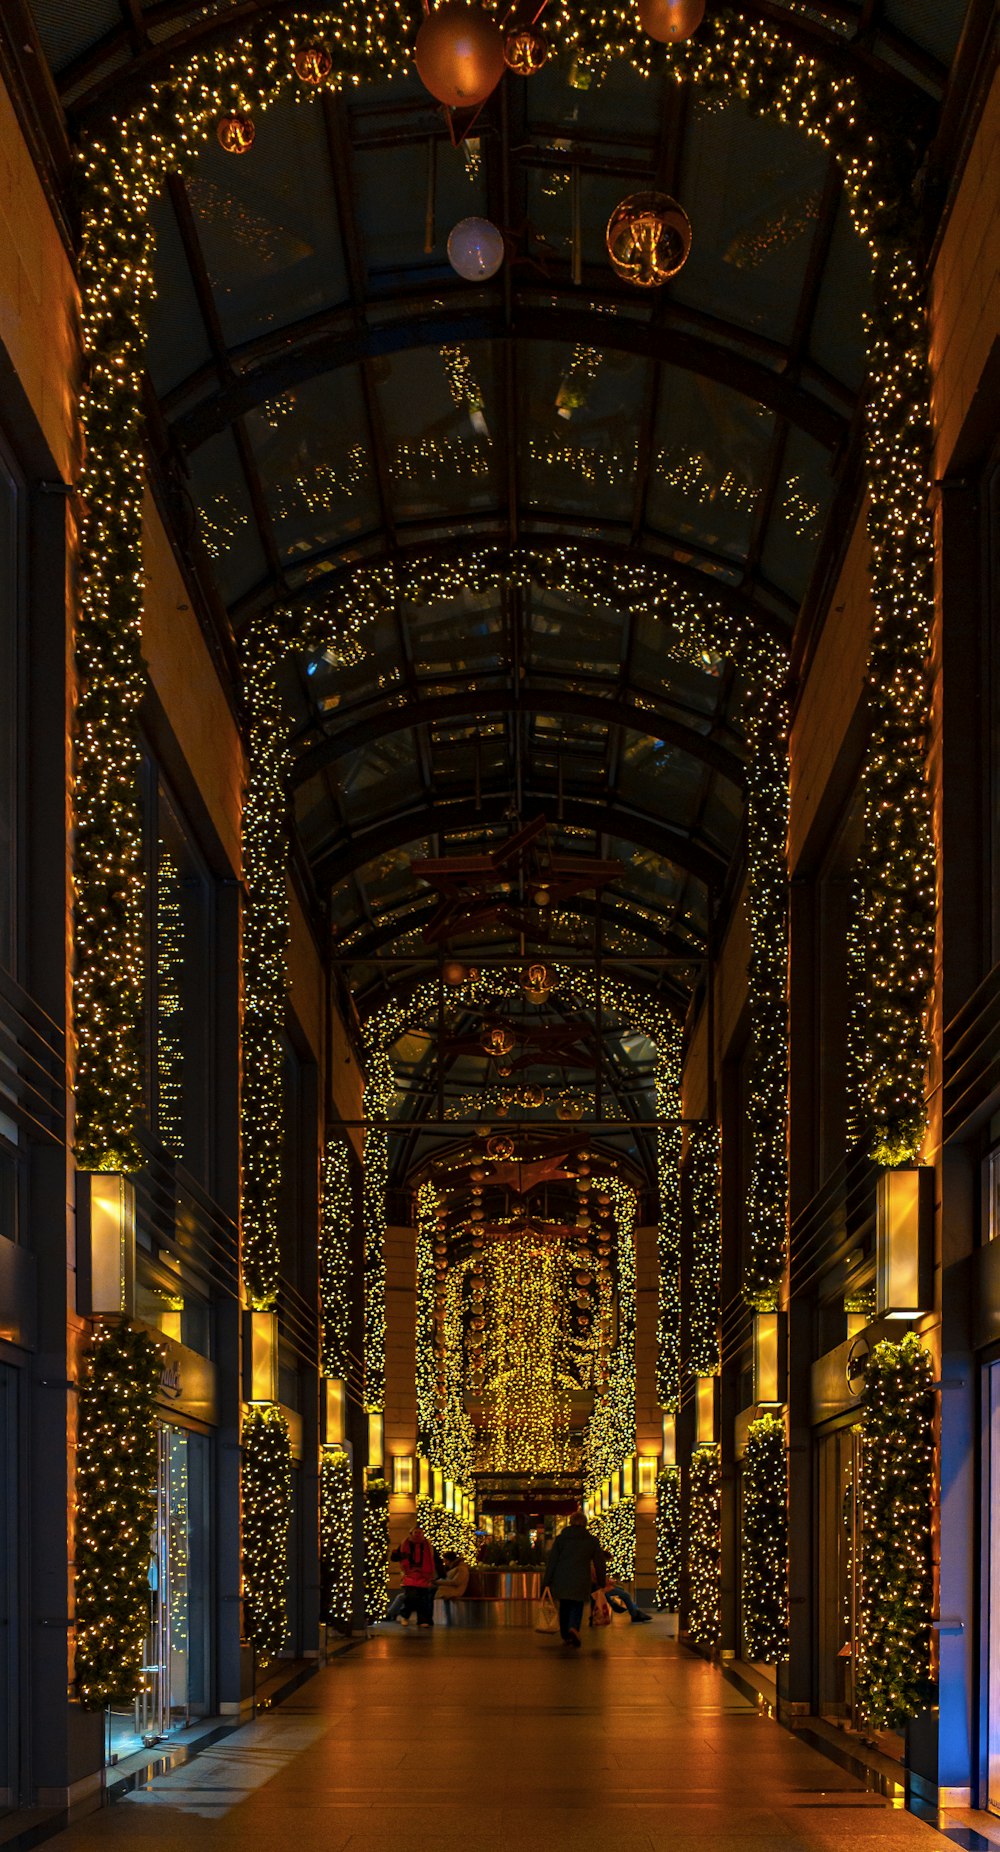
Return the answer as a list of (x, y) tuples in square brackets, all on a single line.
[(187, 1383)]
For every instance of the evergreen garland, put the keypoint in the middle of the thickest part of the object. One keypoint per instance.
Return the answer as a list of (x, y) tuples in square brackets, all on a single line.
[(336, 1218), (376, 1540), (764, 1561), (702, 1177), (705, 1548), (336, 1538), (668, 1540), (267, 1517), (115, 1510), (895, 1606)]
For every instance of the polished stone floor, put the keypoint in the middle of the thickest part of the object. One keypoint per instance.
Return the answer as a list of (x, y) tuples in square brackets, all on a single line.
[(503, 1741)]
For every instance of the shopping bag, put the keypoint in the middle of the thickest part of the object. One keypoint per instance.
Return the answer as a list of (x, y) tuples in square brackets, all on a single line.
[(546, 1617), (602, 1616)]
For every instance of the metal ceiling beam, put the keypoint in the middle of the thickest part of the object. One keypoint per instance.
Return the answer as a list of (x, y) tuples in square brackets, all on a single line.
[(321, 351), (475, 704), (334, 861), (641, 923)]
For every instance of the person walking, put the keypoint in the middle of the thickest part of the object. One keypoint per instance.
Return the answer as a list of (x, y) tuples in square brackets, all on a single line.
[(416, 1558), (575, 1565)]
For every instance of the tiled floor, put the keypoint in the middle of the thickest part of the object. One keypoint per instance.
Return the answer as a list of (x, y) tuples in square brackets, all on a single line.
[(504, 1742)]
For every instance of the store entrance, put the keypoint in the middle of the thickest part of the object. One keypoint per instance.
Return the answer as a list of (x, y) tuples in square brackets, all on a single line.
[(8, 1588), (176, 1659), (839, 1464)]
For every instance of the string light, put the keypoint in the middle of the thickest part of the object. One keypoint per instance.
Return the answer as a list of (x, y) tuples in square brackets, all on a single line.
[(336, 1528), (703, 1176), (267, 1517), (764, 1541), (896, 1491), (705, 1548), (668, 1540), (669, 1141), (336, 1220), (116, 1464), (375, 1527)]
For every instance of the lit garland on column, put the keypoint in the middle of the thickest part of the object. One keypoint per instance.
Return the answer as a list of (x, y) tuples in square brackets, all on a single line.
[(767, 977), (668, 1540), (447, 1530), (426, 1344), (615, 1531), (336, 1537), (669, 1145), (336, 1218), (115, 1509), (267, 1517), (376, 1542), (379, 1094), (703, 1184), (705, 1548), (609, 1438), (169, 1004), (764, 1561), (895, 1606)]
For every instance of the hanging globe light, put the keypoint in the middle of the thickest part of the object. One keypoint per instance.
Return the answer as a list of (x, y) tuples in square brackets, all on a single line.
[(539, 982), (313, 65), (475, 249), (648, 239), (236, 134), (459, 55), (669, 21), (453, 973), (498, 1041), (525, 50)]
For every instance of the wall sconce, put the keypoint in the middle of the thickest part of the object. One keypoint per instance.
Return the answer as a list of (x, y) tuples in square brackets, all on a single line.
[(449, 1495), (438, 1486), (426, 1479), (904, 1218), (704, 1411), (333, 1411), (628, 1477), (106, 1244), (403, 1475), (769, 1359), (647, 1475), (668, 1454), (376, 1440), (260, 1356)]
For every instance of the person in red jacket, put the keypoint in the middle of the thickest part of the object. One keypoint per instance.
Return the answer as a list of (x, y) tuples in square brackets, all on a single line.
[(416, 1556)]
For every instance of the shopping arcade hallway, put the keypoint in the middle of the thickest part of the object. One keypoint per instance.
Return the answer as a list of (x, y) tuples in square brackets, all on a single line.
[(497, 1740)]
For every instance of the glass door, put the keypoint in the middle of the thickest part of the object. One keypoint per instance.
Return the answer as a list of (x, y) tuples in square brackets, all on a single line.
[(837, 1566), (8, 1588)]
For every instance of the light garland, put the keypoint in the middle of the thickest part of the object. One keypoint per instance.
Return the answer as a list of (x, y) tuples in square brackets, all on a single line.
[(336, 1537), (764, 1547), (428, 1415), (267, 1518), (893, 1679), (703, 1178), (705, 1548), (336, 1220), (375, 1526), (169, 1005), (380, 1091), (115, 1509), (609, 1438), (530, 1396), (615, 1532), (669, 1145), (447, 1530), (668, 1540)]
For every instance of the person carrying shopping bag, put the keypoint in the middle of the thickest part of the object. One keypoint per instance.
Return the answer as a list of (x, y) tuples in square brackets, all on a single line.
[(575, 1565)]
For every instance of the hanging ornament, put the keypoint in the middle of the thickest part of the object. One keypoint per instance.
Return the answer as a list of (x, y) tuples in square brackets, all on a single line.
[(453, 973), (648, 239), (236, 134), (313, 64), (538, 982), (475, 249), (498, 1041), (501, 1147), (669, 21), (525, 50), (534, 1096), (569, 1109), (459, 55)]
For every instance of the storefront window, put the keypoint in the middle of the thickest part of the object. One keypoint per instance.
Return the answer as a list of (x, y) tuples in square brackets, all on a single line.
[(181, 984), (8, 1588)]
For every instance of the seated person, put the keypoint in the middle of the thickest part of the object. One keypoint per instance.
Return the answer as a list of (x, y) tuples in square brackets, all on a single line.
[(455, 1581)]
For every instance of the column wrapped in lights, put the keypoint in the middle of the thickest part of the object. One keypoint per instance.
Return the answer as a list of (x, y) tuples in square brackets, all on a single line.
[(705, 1548), (336, 1536), (767, 1101), (267, 1517), (668, 1540), (115, 1508), (669, 1146), (609, 1439), (764, 1546), (336, 1218), (376, 1546), (703, 1182), (893, 1679)]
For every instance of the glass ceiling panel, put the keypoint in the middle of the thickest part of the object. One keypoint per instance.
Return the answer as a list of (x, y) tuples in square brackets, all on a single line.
[(722, 814), (268, 223), (695, 686), (393, 186), (584, 462), (751, 188), (837, 337), (438, 409), (225, 516), (619, 98), (462, 639), (659, 777), (709, 456), (800, 509), (311, 446), (565, 640), (178, 339)]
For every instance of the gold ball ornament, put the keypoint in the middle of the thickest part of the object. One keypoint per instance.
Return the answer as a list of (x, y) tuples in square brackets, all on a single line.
[(459, 55), (525, 50), (313, 64), (236, 134), (453, 973), (648, 239), (670, 21)]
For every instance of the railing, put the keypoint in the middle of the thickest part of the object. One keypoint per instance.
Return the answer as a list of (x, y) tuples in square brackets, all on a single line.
[(173, 1212), (971, 1059), (32, 1065), (839, 1219)]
